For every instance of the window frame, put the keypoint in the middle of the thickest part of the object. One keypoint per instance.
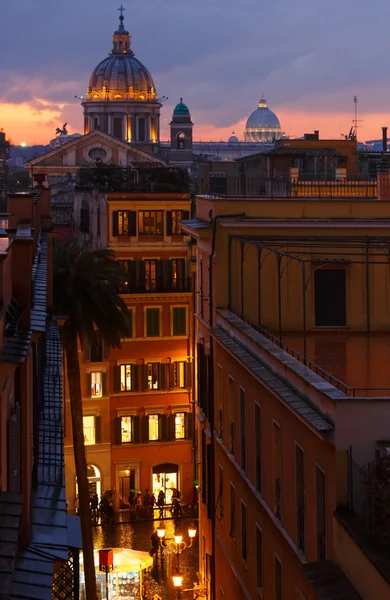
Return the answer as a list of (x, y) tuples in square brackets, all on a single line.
[(122, 215), (92, 373), (179, 307), (131, 423), (157, 420), (141, 223), (146, 309), (175, 414), (125, 365), (155, 367), (176, 226), (93, 417), (175, 364), (150, 280)]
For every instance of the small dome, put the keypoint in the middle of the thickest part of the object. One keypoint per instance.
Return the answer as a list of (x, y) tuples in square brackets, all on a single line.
[(262, 125), (233, 139), (181, 110)]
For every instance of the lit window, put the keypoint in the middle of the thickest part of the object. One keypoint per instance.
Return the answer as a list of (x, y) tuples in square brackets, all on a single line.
[(177, 215), (96, 385), (123, 222), (150, 275), (151, 222), (153, 376), (178, 273), (89, 430), (126, 378), (179, 375), (179, 426), (126, 437), (153, 428)]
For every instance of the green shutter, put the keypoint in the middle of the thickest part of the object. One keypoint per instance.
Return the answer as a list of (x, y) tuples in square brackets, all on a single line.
[(152, 322), (89, 384), (98, 432), (134, 378), (135, 429), (189, 425), (115, 223), (117, 379), (188, 375), (162, 428), (169, 222), (118, 431), (179, 321), (162, 370), (104, 384), (145, 429)]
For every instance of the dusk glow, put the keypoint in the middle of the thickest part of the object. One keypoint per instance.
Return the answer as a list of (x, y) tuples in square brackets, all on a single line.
[(297, 57)]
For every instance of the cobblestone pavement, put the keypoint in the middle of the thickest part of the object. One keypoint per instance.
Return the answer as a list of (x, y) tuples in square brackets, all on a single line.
[(135, 534)]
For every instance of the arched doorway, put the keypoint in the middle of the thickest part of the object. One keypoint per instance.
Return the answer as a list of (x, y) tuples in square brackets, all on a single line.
[(165, 477), (94, 481)]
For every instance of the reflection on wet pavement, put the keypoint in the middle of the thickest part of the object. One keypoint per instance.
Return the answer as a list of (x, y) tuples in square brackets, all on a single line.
[(136, 535)]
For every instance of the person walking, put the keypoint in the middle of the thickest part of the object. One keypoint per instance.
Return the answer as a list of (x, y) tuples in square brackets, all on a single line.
[(138, 506), (147, 502), (161, 502), (94, 506), (152, 502)]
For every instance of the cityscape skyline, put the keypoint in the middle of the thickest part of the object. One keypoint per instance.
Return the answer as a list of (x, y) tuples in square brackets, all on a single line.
[(306, 78)]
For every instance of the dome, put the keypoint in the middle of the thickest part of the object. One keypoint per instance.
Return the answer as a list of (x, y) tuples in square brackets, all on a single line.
[(181, 110), (121, 76), (262, 125), (233, 139)]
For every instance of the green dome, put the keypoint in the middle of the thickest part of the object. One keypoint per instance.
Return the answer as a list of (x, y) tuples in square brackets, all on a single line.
[(181, 109)]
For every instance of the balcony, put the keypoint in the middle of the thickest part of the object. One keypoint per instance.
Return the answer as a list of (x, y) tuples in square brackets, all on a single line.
[(304, 185), (147, 287), (142, 180)]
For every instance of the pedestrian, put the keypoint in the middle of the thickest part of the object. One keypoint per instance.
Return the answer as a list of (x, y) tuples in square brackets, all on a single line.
[(138, 505), (194, 497), (147, 500), (94, 506), (152, 501), (155, 545), (131, 501), (161, 501)]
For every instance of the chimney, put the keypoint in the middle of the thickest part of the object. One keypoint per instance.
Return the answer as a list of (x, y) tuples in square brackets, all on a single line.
[(384, 139), (316, 134)]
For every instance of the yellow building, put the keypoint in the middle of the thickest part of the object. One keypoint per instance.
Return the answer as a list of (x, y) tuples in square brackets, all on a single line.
[(293, 314)]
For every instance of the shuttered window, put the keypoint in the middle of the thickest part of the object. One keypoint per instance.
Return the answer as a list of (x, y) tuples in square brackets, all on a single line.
[(179, 321), (152, 322)]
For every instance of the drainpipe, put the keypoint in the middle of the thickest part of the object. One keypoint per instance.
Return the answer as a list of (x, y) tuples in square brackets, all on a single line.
[(211, 394)]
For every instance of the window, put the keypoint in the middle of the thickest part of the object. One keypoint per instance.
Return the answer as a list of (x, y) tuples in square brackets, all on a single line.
[(97, 153), (123, 222), (232, 512), (300, 496), (330, 297), (150, 275), (96, 385), (150, 222), (243, 428), (177, 215), (126, 372), (231, 416), (243, 532), (219, 400), (179, 375), (153, 376), (152, 322), (180, 428), (117, 127), (258, 447), (153, 428), (126, 425), (220, 492), (98, 351), (178, 273), (89, 430), (259, 557), (141, 130), (179, 321), (84, 219), (277, 470), (278, 579), (321, 514)]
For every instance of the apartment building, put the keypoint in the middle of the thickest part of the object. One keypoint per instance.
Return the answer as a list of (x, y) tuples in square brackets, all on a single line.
[(138, 409), (293, 395), (39, 542)]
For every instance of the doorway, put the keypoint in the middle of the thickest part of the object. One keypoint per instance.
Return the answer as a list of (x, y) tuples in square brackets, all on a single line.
[(94, 482), (126, 483), (165, 477), (330, 297)]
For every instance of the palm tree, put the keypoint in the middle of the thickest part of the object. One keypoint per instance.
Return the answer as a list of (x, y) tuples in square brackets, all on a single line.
[(86, 299)]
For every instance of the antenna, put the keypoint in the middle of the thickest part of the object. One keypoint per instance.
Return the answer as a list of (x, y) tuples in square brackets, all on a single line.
[(355, 121)]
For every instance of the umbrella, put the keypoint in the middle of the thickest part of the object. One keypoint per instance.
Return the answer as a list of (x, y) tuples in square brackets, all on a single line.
[(125, 560), (135, 491)]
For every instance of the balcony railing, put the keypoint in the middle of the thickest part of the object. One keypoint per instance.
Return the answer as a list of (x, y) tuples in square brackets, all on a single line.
[(283, 187), (141, 179), (180, 285)]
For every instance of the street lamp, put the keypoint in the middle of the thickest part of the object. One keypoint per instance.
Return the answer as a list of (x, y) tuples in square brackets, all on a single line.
[(177, 583)]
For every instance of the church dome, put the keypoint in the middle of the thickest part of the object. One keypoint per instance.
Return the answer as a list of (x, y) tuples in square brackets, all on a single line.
[(181, 110), (262, 125), (121, 76), (233, 139)]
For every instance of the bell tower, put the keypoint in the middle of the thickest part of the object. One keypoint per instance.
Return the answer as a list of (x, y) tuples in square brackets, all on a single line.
[(181, 136)]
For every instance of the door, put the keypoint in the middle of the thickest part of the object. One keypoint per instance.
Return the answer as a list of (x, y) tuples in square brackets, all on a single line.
[(126, 483), (165, 477), (330, 297)]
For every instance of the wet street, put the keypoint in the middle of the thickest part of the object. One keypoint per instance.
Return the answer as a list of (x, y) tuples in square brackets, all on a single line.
[(136, 535)]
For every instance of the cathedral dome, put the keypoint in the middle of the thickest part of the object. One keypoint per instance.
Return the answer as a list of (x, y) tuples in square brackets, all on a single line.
[(121, 76), (262, 125), (233, 139)]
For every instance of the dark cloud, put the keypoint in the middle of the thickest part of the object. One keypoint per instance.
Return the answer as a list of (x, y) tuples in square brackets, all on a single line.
[(219, 54)]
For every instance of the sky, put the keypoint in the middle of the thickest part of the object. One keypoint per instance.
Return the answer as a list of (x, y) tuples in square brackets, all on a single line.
[(309, 57)]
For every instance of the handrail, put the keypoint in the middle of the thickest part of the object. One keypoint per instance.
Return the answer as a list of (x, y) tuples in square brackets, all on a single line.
[(341, 386)]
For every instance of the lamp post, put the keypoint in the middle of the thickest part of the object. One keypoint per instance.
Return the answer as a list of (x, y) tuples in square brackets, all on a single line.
[(177, 546), (177, 583)]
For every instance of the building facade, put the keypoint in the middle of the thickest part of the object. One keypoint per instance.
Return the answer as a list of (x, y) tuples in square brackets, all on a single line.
[(138, 408), (39, 543), (289, 412)]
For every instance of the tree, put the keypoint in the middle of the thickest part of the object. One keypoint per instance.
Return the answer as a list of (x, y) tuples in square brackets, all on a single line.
[(86, 300)]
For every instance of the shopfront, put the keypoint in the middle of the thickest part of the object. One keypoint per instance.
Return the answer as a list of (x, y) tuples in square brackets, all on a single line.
[(165, 477)]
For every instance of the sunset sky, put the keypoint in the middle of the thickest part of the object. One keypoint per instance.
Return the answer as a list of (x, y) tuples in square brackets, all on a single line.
[(309, 57)]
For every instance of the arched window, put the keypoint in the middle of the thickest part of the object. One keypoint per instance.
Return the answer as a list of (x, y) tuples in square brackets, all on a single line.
[(166, 478), (180, 143)]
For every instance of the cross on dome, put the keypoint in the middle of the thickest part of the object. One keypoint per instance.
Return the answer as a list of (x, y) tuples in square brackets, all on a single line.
[(121, 9)]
